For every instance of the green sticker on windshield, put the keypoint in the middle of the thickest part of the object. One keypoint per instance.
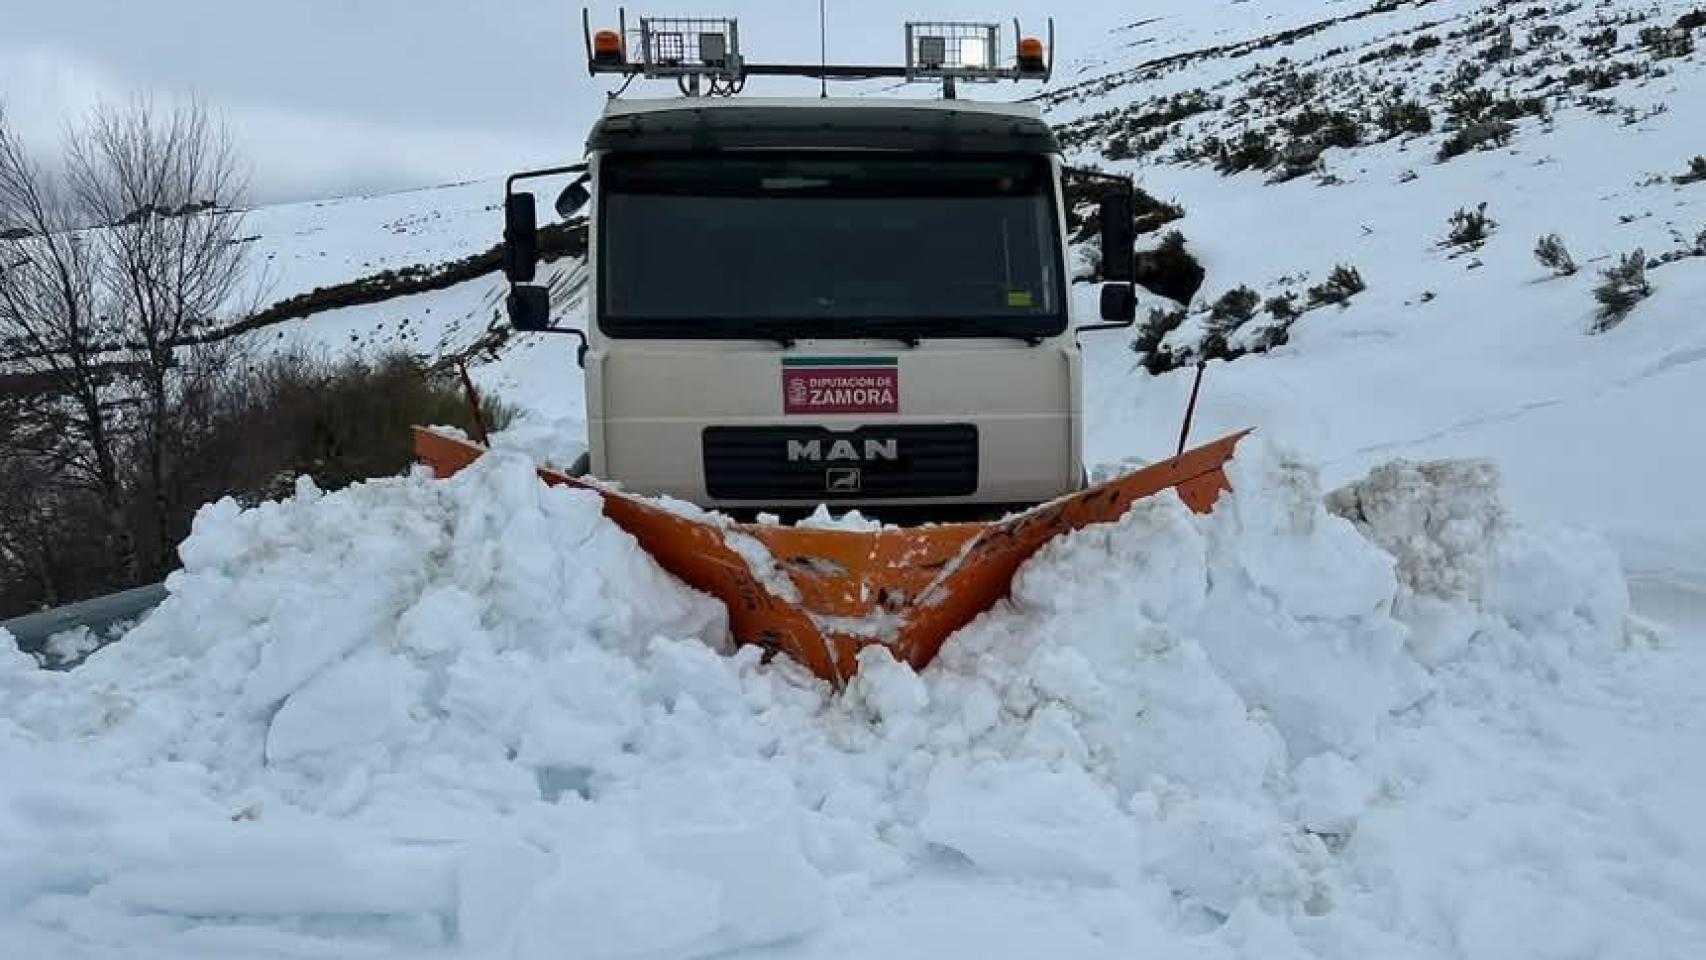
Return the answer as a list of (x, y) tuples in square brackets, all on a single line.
[(1019, 298)]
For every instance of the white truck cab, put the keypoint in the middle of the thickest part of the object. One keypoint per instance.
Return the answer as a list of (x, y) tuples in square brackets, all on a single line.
[(854, 302)]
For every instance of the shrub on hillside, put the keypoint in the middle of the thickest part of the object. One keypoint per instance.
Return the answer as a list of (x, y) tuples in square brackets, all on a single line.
[(1298, 158), (1342, 130), (1156, 358), (1503, 45), (1623, 286), (1477, 136), (1276, 334), (249, 434), (1554, 256), (1170, 270), (1400, 117), (1334, 128), (1696, 172), (1478, 105), (338, 422), (1231, 311), (1253, 150), (1470, 228), (1283, 307), (1469, 106), (1665, 43), (1601, 42), (1234, 308), (1341, 285)]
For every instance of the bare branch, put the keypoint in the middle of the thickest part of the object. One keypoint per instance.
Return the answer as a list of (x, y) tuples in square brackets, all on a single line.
[(110, 275)]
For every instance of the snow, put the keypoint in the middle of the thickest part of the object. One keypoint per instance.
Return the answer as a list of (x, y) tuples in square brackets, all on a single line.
[(1426, 685), (471, 718)]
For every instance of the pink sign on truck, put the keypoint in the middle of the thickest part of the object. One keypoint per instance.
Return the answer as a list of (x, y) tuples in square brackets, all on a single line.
[(812, 385)]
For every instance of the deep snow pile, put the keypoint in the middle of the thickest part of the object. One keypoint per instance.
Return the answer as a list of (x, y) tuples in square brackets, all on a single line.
[(471, 716)]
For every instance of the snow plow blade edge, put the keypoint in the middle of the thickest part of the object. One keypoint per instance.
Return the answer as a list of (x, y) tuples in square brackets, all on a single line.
[(827, 593)]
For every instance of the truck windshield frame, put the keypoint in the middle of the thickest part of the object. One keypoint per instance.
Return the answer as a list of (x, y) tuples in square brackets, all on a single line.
[(802, 244)]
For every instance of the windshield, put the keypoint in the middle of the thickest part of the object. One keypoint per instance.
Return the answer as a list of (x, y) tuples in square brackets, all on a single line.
[(828, 244)]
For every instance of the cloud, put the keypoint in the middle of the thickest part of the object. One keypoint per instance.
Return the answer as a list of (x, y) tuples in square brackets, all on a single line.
[(327, 97), (41, 89), (291, 153)]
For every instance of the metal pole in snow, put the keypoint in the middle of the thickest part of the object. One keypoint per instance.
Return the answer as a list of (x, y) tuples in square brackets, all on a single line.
[(1191, 409)]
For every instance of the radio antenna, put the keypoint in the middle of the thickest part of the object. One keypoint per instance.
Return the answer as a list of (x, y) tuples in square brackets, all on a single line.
[(823, 47)]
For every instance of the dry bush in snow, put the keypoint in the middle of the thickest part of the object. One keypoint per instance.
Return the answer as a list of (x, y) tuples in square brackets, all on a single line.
[(1341, 285), (1623, 286), (1470, 228), (1554, 256)]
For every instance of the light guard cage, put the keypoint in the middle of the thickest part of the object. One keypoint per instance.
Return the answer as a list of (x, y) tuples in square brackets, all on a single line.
[(685, 47), (691, 49), (964, 51)]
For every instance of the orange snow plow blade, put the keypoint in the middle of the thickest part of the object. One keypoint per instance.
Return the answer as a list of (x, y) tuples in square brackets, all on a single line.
[(824, 594)]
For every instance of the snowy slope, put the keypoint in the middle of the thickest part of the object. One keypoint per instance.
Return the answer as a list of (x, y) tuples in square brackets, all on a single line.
[(470, 719), (300, 246), (1450, 352)]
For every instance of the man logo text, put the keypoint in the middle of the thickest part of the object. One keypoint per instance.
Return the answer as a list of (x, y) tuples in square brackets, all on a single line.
[(843, 451)]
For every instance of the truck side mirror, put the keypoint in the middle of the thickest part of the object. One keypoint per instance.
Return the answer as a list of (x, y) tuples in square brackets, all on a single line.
[(1119, 238), (572, 199), (521, 238), (529, 307), (1119, 303)]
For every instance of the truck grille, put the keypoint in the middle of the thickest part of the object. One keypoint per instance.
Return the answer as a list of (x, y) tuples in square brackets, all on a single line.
[(777, 465)]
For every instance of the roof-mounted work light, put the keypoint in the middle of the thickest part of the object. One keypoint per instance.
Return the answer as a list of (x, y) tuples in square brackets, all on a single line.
[(962, 50), (694, 51), (714, 49), (932, 52)]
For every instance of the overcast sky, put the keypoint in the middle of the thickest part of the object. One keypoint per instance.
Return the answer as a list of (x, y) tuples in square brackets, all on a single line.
[(332, 97)]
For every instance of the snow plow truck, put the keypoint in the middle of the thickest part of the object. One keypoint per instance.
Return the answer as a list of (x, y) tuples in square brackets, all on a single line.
[(860, 303)]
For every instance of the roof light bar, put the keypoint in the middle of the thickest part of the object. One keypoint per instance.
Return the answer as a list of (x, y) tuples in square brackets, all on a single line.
[(691, 49)]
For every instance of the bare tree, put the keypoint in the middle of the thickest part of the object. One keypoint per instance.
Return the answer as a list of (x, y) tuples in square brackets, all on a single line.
[(51, 335), (163, 185), (115, 276)]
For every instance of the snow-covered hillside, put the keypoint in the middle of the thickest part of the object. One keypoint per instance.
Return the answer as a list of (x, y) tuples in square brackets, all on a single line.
[(1422, 717), (1454, 350)]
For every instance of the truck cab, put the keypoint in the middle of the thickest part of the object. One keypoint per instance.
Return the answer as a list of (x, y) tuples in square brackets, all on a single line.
[(860, 303)]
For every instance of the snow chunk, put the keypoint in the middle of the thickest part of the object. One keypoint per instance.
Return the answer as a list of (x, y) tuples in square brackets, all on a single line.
[(1030, 821), (1437, 519)]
